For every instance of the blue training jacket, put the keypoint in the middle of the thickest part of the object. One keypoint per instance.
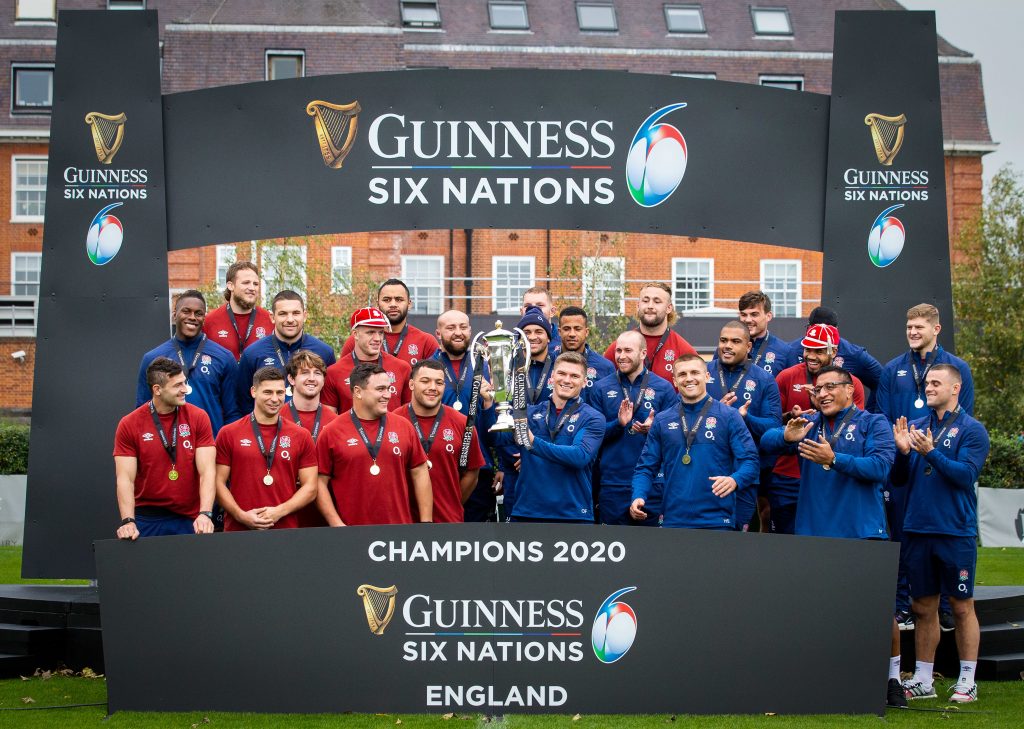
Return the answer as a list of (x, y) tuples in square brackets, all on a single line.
[(897, 392), (262, 353), (943, 501), (851, 357), (212, 381), (772, 354), (554, 478), (759, 389), (722, 447), (846, 500)]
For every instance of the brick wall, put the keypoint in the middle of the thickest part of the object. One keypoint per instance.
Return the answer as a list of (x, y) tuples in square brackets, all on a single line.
[(17, 396)]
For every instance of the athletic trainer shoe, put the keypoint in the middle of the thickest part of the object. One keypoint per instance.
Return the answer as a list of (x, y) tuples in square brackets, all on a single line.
[(904, 620), (894, 695), (914, 689), (964, 694), (946, 622)]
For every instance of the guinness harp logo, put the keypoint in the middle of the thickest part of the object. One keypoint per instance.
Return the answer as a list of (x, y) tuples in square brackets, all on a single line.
[(107, 134), (379, 603), (887, 135), (336, 126)]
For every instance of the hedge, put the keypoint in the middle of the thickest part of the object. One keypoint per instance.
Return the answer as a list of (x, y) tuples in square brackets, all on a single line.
[(13, 448), (1004, 468)]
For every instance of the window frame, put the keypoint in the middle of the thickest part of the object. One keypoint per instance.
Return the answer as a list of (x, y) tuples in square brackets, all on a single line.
[(694, 74), (415, 286), (126, 4), (776, 81), (710, 288), (271, 53), (420, 24), (685, 6), (755, 9), (27, 255), (15, 159), (19, 18), (341, 285), (579, 18), (772, 292), (495, 260), (509, 3), (221, 262), (20, 109), (619, 261)]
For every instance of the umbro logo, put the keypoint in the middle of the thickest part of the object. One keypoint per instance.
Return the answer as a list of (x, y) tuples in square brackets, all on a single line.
[(538, 416), (268, 361), (223, 334), (245, 442), (351, 442), (901, 373), (146, 437), (673, 426), (612, 393)]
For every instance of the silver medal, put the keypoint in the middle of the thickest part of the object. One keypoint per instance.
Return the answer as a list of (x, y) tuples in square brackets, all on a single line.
[(188, 389), (458, 405), (268, 480), (919, 403), (374, 470)]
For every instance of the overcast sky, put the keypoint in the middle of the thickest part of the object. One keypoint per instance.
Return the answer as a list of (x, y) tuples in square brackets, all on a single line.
[(991, 30)]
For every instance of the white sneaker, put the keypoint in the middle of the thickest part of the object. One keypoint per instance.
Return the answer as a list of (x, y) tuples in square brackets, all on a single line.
[(915, 689), (963, 694)]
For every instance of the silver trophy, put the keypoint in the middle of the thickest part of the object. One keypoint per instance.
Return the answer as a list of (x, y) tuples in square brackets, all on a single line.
[(501, 349)]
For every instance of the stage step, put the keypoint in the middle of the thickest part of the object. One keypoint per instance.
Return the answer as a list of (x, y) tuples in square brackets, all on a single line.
[(24, 640), (999, 604), (1002, 638), (1003, 667), (12, 666)]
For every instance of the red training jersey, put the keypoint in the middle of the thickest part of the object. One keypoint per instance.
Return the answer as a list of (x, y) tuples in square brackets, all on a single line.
[(791, 382), (309, 515), (417, 345), (238, 449), (444, 461), (137, 438), (359, 496), (674, 347), (338, 394), (218, 327)]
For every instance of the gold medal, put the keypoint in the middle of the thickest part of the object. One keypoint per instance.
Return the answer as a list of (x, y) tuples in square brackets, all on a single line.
[(458, 405), (686, 459), (826, 467), (172, 474), (268, 480), (374, 469)]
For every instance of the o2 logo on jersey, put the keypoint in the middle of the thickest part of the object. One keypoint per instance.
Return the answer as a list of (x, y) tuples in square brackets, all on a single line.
[(885, 241), (657, 159), (105, 236), (614, 628)]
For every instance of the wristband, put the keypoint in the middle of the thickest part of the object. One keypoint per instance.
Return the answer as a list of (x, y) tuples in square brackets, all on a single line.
[(128, 520), (207, 514)]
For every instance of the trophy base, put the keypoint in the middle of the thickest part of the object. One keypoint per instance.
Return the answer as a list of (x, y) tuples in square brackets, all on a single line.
[(504, 422)]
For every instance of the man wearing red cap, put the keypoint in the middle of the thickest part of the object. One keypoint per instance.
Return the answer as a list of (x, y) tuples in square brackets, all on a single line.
[(368, 327), (820, 344), (403, 340)]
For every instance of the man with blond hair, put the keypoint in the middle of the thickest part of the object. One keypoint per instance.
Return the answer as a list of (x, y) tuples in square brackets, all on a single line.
[(655, 315)]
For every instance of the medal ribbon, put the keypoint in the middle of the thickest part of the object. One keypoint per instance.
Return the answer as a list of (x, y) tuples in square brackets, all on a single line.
[(248, 331), (834, 438), (760, 349), (735, 385), (929, 360), (640, 393), (449, 372), (429, 442), (357, 361), (566, 414), (172, 447), (298, 420), (375, 448), (277, 350), (649, 359), (534, 392), (398, 344), (690, 434), (195, 358), (257, 433), (947, 426)]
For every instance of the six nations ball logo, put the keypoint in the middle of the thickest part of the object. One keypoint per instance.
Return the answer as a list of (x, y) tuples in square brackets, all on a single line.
[(614, 628), (657, 159)]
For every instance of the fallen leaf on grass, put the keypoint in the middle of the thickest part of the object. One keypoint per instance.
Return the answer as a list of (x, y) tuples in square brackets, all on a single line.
[(25, 678), (769, 713), (577, 717), (89, 673), (27, 700), (398, 721), (447, 716)]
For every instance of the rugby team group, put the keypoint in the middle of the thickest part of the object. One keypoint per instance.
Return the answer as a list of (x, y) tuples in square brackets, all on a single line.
[(246, 421)]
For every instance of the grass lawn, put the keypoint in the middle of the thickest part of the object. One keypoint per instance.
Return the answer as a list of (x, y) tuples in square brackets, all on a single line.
[(1001, 704)]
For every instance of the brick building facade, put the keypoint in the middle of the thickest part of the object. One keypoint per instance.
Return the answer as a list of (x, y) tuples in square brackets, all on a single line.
[(208, 43)]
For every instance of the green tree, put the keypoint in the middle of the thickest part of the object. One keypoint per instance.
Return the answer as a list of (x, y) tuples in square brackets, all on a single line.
[(987, 286), (602, 290)]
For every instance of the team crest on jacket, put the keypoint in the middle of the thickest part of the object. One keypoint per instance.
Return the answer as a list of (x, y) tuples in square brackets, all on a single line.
[(206, 359), (649, 393), (964, 575), (750, 386), (286, 441), (591, 373), (392, 436), (670, 355), (183, 430), (448, 434), (851, 427), (391, 376), (260, 332), (413, 350), (574, 417), (769, 358), (837, 361), (711, 423), (953, 432)]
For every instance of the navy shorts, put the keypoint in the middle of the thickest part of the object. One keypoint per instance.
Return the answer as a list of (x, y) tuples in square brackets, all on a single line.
[(163, 526), (938, 563)]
